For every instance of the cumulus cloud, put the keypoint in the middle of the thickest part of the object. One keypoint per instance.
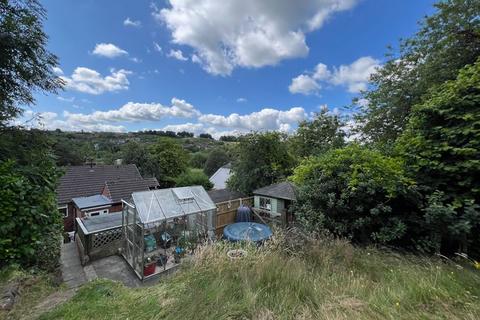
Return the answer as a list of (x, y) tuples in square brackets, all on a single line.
[(92, 82), (304, 84), (241, 100), (134, 112), (132, 23), (354, 77), (177, 54), (52, 121), (108, 50), (265, 119), (195, 128), (245, 33), (198, 128)]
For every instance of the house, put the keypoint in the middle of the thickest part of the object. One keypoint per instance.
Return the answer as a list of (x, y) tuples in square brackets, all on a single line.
[(276, 200), (220, 177), (93, 180)]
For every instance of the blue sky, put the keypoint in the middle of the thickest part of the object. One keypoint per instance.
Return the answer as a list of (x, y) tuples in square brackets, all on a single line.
[(224, 67)]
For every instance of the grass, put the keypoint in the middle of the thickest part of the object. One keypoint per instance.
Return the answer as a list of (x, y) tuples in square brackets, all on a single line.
[(321, 279), (326, 279), (33, 288)]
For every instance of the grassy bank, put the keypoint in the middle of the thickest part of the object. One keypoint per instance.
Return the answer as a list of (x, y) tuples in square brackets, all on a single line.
[(323, 280), (33, 287)]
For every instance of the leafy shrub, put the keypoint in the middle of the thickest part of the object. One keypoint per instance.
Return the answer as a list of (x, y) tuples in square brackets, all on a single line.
[(30, 224), (193, 177), (198, 160), (357, 193), (261, 159), (441, 147), (217, 158)]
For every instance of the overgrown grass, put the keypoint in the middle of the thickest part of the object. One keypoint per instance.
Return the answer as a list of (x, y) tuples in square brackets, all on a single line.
[(323, 279), (33, 288)]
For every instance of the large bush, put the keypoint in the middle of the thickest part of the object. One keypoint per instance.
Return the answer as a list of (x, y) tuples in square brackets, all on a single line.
[(193, 177), (261, 159), (357, 193), (30, 225), (216, 158), (441, 146)]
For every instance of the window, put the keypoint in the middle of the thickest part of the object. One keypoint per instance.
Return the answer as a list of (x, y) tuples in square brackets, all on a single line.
[(63, 211), (265, 203), (96, 213)]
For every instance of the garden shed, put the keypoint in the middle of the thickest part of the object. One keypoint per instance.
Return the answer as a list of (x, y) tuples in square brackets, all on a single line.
[(161, 226)]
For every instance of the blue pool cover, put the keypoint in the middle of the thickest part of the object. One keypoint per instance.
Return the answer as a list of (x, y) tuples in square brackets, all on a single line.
[(247, 231)]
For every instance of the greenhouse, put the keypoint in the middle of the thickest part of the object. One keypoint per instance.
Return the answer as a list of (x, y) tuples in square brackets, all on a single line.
[(163, 226)]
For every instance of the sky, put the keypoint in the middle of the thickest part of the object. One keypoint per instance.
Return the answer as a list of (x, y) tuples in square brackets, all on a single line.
[(209, 66)]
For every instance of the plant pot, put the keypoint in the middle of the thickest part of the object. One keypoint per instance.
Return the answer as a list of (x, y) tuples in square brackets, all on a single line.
[(149, 269)]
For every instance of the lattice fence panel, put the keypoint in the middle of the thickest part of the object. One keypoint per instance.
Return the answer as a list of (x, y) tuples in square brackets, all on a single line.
[(106, 237)]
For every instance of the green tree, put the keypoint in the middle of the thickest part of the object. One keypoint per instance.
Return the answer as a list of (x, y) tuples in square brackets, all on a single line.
[(261, 159), (206, 136), (447, 41), (66, 155), (25, 63), (30, 225), (316, 136), (357, 193), (193, 177), (216, 158), (198, 159), (441, 146), (168, 159), (136, 153)]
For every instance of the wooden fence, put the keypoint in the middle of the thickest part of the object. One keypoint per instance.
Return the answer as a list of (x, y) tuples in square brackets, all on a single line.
[(227, 211)]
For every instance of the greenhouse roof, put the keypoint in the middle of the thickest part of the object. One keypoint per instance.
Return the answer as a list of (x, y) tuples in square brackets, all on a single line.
[(164, 204)]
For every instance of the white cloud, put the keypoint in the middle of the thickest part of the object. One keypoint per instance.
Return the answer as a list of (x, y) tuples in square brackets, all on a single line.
[(157, 47), (132, 23), (58, 71), (134, 112), (195, 128), (198, 128), (245, 33), (90, 81), (136, 60), (304, 84), (108, 50), (51, 121), (354, 76), (241, 100), (177, 54), (265, 119), (71, 99)]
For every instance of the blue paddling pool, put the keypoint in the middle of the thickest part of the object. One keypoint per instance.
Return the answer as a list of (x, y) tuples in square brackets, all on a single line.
[(247, 231)]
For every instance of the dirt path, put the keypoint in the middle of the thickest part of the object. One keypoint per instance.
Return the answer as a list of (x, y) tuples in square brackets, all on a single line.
[(50, 302)]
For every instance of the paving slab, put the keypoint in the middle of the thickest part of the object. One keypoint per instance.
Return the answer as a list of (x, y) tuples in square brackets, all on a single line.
[(72, 270)]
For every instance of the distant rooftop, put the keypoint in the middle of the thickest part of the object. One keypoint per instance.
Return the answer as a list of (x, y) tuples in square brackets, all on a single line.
[(220, 177), (84, 181), (91, 201), (282, 190)]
